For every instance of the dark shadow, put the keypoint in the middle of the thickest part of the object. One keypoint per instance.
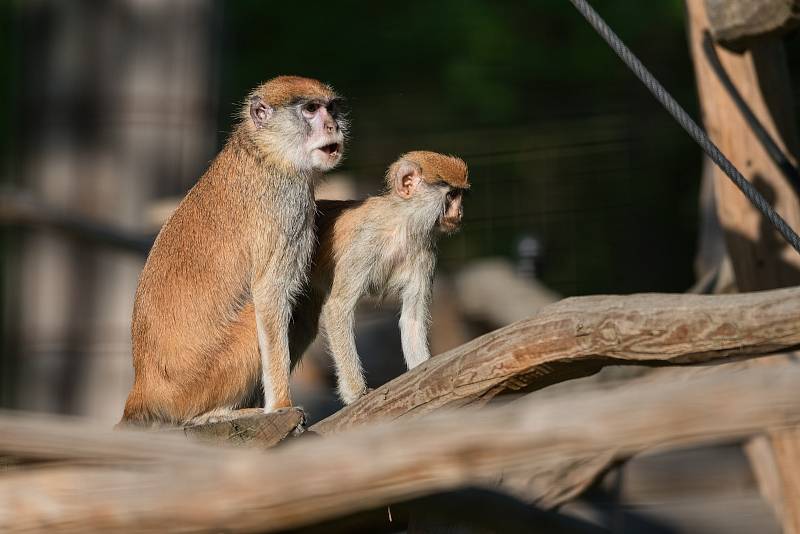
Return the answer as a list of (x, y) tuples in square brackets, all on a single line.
[(469, 510), (775, 153), (607, 505), (758, 264)]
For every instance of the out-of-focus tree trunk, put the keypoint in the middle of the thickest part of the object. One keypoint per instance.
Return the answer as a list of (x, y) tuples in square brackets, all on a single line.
[(118, 108)]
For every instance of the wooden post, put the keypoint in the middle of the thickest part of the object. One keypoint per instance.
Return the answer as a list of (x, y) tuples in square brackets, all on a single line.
[(760, 258)]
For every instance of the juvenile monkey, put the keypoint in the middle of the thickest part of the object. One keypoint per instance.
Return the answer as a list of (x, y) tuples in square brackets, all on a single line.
[(212, 309), (383, 245)]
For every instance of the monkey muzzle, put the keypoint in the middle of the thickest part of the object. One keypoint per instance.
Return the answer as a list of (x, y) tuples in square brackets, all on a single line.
[(449, 224)]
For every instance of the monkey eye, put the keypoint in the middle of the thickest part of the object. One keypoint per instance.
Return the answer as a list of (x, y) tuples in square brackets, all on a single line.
[(310, 108), (453, 194)]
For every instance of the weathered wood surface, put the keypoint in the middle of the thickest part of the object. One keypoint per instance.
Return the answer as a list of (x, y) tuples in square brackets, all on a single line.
[(761, 258), (737, 22), (578, 336), (247, 428), (311, 480)]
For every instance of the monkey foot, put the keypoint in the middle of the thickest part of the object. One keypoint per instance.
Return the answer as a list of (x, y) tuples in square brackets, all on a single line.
[(216, 416)]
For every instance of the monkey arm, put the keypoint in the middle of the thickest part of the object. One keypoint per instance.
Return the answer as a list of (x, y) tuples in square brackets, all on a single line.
[(338, 317), (414, 317)]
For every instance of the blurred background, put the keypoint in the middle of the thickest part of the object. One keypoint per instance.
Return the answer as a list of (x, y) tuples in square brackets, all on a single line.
[(111, 111)]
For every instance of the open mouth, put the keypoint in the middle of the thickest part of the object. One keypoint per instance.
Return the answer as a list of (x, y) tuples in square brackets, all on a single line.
[(331, 149)]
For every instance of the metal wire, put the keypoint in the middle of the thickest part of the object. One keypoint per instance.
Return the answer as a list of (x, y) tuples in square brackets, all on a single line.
[(688, 124)]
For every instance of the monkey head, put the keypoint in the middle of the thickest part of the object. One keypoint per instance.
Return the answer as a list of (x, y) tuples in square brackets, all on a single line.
[(299, 121), (435, 183)]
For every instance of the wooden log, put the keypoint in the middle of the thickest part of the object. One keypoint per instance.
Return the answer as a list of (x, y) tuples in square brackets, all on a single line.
[(736, 23), (761, 259), (312, 480), (578, 336), (564, 480)]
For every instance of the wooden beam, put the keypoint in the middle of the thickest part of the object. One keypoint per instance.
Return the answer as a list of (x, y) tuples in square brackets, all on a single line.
[(737, 23), (578, 336), (312, 480)]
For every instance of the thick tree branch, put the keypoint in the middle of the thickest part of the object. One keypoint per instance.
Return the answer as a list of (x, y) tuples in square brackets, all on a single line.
[(577, 337), (311, 480)]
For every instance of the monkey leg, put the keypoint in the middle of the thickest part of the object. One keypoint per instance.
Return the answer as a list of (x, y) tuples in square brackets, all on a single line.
[(339, 324), (273, 341)]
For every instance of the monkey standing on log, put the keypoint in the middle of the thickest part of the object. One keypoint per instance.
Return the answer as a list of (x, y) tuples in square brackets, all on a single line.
[(243, 236), (383, 245)]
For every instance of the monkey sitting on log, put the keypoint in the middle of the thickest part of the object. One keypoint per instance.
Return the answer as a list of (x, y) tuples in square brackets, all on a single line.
[(384, 245), (214, 301)]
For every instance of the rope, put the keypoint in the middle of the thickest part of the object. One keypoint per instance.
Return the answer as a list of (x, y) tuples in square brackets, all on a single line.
[(683, 118)]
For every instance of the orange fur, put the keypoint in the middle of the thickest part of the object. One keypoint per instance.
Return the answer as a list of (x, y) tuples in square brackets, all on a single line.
[(282, 90), (195, 348), (438, 167)]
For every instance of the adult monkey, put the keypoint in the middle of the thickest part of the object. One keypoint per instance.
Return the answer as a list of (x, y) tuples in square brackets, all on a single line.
[(244, 233)]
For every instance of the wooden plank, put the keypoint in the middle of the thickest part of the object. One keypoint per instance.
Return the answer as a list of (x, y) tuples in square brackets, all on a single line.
[(578, 336), (311, 480), (737, 22)]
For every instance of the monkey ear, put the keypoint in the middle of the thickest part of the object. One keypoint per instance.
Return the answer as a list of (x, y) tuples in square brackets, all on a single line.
[(405, 177), (260, 112)]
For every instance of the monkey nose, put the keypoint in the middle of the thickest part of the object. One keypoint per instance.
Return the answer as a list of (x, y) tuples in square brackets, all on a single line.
[(330, 128)]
